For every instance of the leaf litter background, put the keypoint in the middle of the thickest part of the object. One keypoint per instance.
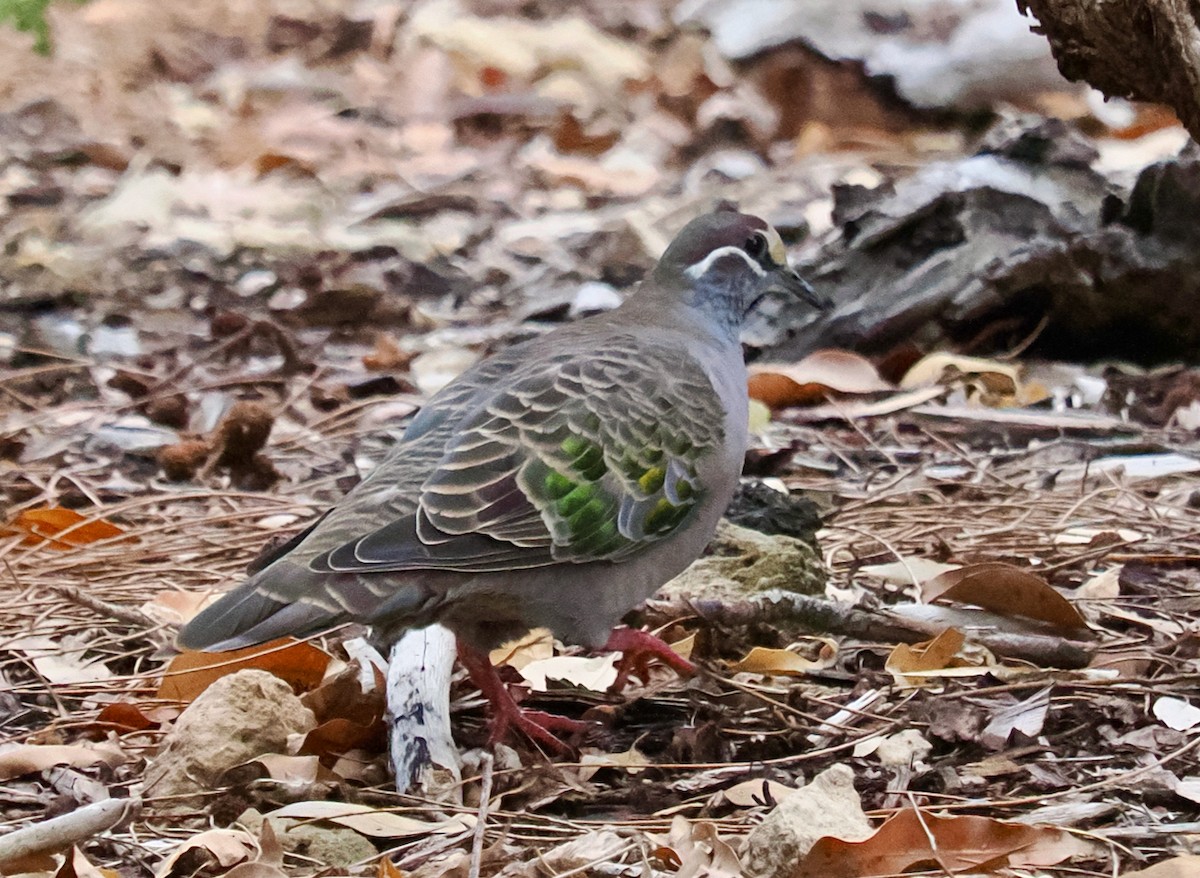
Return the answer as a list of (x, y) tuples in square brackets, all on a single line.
[(242, 242)]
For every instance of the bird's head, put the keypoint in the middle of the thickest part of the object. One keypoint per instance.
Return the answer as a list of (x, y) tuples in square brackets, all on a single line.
[(726, 262)]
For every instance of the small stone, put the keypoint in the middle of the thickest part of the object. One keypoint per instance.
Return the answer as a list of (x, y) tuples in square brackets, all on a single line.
[(236, 719), (827, 806), (254, 282)]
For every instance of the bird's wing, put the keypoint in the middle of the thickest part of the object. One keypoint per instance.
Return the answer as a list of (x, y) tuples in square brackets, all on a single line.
[(578, 457)]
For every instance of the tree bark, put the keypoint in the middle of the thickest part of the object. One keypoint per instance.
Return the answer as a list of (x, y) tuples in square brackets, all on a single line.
[(1147, 50)]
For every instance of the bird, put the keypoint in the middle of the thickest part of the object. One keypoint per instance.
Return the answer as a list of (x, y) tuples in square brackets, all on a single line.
[(557, 483)]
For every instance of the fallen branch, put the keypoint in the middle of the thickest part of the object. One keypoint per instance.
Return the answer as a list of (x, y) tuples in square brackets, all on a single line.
[(819, 616), (60, 833)]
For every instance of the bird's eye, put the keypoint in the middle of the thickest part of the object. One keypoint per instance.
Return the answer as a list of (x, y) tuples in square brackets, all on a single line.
[(756, 246)]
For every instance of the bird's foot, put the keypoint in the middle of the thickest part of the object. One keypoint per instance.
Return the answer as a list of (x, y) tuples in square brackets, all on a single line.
[(638, 648), (507, 715)]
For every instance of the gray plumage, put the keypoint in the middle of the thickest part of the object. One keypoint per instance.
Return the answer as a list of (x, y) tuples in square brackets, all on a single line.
[(558, 483)]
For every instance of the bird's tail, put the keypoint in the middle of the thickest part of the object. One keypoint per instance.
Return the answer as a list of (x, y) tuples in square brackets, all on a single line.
[(252, 614)]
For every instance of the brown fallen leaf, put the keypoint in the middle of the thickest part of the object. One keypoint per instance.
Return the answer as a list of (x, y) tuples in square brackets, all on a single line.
[(298, 663), (135, 718), (374, 823), (387, 355), (224, 847), (810, 380), (911, 840), (931, 655), (32, 758), (59, 528), (76, 865), (696, 849), (761, 660), (1007, 590)]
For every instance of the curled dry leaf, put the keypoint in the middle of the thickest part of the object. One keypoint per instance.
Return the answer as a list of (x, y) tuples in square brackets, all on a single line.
[(947, 655), (298, 663), (931, 655), (811, 380), (695, 850), (993, 383), (1007, 590), (226, 847), (936, 368), (911, 840), (59, 528), (761, 660)]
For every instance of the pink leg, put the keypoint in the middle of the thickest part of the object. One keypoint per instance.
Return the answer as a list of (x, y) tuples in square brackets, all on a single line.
[(637, 648), (537, 725)]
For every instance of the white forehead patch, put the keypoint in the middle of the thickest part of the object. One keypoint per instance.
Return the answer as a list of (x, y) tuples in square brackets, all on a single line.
[(702, 267)]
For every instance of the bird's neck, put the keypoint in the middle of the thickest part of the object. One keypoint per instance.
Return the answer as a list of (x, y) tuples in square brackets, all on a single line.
[(706, 307)]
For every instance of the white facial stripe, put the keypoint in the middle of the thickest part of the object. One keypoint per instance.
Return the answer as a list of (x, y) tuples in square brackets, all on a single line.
[(775, 247), (702, 267)]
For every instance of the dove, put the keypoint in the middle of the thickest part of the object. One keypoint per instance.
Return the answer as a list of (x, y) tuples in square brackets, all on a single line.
[(557, 484)]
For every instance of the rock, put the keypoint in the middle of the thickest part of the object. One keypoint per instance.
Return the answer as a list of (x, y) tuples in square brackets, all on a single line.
[(743, 562), (827, 806), (327, 844), (236, 719)]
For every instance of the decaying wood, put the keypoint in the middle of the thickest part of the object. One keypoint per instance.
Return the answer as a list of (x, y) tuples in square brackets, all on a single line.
[(812, 615), (418, 699), (1023, 246), (1143, 49), (60, 833)]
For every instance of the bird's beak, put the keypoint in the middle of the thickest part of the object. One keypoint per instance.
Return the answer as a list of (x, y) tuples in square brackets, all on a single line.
[(788, 280)]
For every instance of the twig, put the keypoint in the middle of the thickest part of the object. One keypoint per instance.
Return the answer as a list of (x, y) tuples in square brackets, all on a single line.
[(816, 615), (485, 793), (60, 833), (105, 608)]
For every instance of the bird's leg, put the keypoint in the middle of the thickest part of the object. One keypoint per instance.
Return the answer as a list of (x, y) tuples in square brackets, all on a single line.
[(637, 649), (506, 714)]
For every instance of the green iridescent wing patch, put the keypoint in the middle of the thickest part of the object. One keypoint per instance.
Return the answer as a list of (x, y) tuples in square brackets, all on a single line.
[(585, 459)]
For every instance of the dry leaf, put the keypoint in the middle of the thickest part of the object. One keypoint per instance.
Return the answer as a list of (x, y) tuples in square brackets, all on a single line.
[(387, 356), (961, 844), (632, 761), (931, 655), (1007, 590), (228, 847), (595, 673), (370, 822), (537, 644), (761, 660), (30, 758), (177, 607), (1185, 866), (758, 793), (697, 851), (811, 380), (298, 663), (59, 528), (1175, 713), (1026, 717), (997, 383)]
